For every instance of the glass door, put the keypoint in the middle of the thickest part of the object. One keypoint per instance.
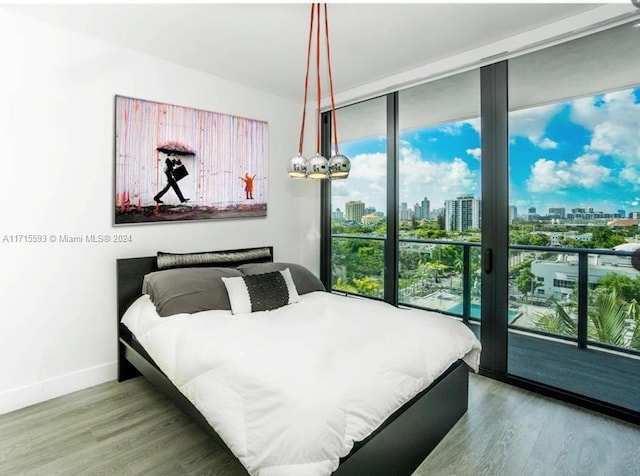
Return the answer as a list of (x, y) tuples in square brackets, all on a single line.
[(574, 170)]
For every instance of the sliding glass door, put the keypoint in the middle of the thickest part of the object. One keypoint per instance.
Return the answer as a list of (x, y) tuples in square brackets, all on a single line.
[(508, 197), (574, 165)]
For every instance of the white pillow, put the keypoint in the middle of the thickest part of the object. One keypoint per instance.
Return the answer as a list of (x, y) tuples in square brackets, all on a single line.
[(261, 292)]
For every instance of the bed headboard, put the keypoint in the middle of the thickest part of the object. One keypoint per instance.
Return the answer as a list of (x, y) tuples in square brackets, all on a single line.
[(131, 271)]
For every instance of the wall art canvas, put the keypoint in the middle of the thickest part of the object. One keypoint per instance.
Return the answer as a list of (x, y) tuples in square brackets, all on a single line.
[(175, 163)]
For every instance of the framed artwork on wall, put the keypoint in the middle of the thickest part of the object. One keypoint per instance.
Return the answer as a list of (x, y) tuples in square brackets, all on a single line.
[(176, 163)]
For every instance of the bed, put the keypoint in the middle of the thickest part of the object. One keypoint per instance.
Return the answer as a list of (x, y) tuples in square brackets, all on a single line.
[(236, 389)]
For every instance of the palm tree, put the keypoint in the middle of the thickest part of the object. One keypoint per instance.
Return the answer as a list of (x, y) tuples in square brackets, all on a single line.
[(612, 320), (559, 322), (608, 318)]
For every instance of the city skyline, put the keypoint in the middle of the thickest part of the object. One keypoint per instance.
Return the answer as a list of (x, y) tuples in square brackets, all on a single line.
[(582, 153), (552, 212)]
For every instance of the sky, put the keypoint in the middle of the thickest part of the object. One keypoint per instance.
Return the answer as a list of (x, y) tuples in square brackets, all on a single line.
[(583, 153)]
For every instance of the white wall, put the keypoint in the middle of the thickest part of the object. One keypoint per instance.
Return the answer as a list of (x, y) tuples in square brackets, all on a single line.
[(57, 88)]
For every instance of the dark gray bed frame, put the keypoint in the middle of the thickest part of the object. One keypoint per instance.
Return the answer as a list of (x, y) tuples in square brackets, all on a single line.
[(397, 447)]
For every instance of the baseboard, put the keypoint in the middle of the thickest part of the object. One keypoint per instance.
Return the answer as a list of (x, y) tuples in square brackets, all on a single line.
[(17, 398)]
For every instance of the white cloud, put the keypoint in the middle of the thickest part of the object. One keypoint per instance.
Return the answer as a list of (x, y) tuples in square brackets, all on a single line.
[(532, 124), (438, 181), (453, 129), (474, 123), (585, 172), (371, 167), (366, 182), (547, 143), (630, 177), (475, 153), (614, 120)]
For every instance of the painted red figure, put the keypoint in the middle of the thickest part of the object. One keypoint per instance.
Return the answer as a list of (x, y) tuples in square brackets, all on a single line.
[(248, 186)]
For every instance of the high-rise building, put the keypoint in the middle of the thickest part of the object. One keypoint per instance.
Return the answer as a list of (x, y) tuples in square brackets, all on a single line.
[(513, 213), (462, 213), (354, 210), (422, 210), (337, 215)]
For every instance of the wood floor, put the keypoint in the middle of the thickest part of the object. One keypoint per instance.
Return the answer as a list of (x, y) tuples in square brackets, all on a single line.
[(129, 429)]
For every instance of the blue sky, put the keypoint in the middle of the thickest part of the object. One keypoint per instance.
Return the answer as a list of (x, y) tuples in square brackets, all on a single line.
[(579, 153)]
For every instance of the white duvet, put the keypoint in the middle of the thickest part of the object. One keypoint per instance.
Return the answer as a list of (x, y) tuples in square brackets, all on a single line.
[(291, 390)]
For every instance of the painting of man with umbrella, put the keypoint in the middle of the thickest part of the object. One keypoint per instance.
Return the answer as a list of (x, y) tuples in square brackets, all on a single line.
[(174, 169), (176, 163)]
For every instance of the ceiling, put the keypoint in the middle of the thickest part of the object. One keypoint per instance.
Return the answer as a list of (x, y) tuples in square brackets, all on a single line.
[(263, 45)]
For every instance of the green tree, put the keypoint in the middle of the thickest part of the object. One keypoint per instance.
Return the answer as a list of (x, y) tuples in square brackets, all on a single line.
[(540, 239), (627, 288), (525, 282), (605, 237), (368, 286)]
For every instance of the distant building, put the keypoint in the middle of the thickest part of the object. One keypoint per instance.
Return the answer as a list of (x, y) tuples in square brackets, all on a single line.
[(589, 215), (337, 215), (557, 213), (513, 213), (406, 214), (422, 210), (556, 236), (532, 214), (435, 213), (624, 222), (354, 210), (462, 213), (370, 218), (557, 279)]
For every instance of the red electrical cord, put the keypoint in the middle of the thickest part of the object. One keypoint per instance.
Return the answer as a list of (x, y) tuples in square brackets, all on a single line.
[(315, 11), (306, 83), (333, 101), (318, 132)]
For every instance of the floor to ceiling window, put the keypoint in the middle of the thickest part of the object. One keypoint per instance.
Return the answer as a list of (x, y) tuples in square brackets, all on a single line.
[(574, 155), (556, 173), (358, 204), (439, 194)]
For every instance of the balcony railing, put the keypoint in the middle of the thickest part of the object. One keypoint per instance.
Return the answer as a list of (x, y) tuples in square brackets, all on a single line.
[(444, 275)]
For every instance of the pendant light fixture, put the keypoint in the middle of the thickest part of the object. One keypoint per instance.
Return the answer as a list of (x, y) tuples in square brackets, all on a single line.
[(318, 167)]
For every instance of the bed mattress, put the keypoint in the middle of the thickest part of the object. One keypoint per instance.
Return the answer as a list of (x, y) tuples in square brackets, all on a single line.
[(291, 390)]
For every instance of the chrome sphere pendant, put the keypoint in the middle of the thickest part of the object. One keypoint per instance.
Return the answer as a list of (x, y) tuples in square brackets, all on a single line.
[(317, 167), (339, 166), (297, 167)]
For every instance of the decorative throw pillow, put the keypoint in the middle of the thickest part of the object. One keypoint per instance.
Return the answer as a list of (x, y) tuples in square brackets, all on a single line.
[(261, 292), (305, 280), (211, 258)]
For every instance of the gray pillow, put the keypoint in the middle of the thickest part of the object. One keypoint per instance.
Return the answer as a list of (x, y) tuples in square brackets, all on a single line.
[(188, 290), (305, 280)]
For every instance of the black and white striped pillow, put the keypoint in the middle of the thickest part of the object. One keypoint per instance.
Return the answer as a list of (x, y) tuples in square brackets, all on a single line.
[(261, 292)]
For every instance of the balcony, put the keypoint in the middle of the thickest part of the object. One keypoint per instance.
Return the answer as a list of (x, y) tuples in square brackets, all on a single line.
[(568, 327)]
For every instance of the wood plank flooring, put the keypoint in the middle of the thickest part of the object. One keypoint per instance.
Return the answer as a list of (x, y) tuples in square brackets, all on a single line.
[(130, 429)]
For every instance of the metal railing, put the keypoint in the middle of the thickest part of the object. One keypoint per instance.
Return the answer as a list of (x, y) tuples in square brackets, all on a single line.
[(581, 339)]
